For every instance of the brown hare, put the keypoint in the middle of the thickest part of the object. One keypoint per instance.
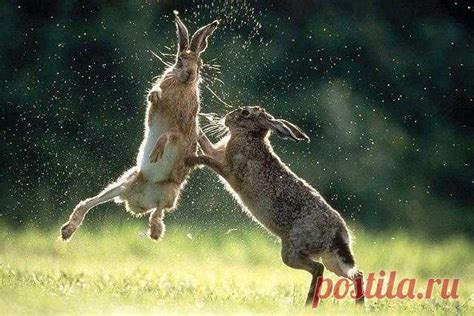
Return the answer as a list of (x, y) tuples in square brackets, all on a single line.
[(153, 185), (309, 228)]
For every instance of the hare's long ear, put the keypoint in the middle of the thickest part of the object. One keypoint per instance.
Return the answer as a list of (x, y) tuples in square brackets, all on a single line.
[(182, 33), (285, 130), (199, 39), (298, 132)]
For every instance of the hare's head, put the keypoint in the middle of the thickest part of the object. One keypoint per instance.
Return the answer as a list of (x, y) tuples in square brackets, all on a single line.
[(257, 121), (188, 59)]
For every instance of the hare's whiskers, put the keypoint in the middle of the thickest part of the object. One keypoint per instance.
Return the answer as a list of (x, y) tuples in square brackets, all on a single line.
[(213, 67), (219, 128), (222, 133), (167, 64), (211, 63), (215, 125), (217, 97), (218, 80), (210, 128)]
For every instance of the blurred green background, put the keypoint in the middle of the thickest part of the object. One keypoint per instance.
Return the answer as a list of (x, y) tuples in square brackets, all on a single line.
[(385, 91)]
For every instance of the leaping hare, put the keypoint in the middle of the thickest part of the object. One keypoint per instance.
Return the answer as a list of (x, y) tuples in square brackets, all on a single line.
[(309, 228), (153, 185)]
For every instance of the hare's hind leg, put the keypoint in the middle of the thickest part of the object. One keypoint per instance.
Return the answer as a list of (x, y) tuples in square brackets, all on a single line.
[(81, 209), (298, 259), (167, 194)]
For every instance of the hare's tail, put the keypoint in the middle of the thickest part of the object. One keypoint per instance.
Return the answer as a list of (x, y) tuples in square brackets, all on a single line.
[(341, 262)]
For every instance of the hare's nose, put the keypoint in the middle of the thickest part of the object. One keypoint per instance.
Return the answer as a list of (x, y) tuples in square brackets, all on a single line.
[(187, 74)]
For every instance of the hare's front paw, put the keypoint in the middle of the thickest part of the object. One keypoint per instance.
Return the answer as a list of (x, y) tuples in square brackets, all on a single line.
[(159, 149), (154, 96)]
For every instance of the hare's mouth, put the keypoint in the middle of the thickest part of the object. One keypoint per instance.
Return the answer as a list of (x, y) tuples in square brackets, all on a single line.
[(188, 78), (191, 79)]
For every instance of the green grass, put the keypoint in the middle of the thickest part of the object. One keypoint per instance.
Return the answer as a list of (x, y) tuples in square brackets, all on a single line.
[(115, 270)]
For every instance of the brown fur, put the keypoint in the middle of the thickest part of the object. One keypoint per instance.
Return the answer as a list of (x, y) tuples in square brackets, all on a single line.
[(153, 186), (309, 228)]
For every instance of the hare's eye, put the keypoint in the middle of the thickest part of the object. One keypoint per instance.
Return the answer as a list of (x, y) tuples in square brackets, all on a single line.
[(180, 61), (245, 113)]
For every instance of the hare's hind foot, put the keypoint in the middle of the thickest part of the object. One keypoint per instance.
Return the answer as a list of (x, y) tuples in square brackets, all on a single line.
[(157, 227), (156, 231), (358, 279), (67, 230), (74, 221)]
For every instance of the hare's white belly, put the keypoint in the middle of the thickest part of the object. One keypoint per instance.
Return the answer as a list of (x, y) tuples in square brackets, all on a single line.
[(160, 170)]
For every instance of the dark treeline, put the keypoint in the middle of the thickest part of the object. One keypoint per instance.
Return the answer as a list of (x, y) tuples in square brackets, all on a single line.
[(384, 89)]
